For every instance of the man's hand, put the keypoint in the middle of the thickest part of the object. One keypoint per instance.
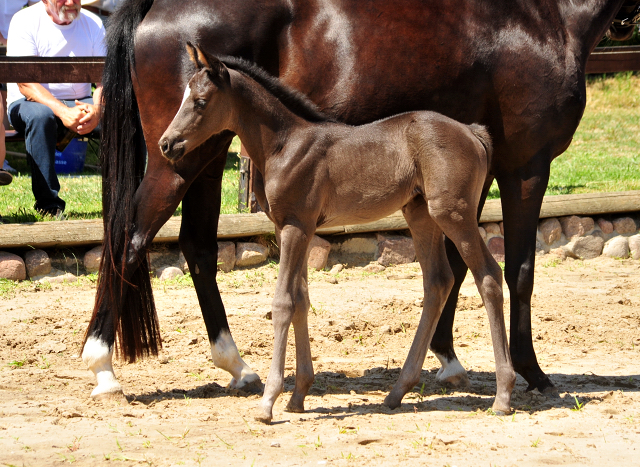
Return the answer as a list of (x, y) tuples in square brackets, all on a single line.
[(89, 119)]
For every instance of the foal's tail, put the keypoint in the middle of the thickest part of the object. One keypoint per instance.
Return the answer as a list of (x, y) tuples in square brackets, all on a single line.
[(128, 310), (483, 135)]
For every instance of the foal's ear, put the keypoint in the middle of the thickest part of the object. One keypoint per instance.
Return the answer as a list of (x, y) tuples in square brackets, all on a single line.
[(197, 56), (215, 68)]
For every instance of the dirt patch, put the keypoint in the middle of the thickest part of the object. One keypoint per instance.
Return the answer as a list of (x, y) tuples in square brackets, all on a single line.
[(586, 332)]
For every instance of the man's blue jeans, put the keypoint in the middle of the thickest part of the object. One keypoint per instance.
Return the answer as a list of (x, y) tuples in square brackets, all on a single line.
[(40, 128)]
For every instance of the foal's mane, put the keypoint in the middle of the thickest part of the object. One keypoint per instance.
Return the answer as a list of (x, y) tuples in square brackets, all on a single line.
[(294, 100)]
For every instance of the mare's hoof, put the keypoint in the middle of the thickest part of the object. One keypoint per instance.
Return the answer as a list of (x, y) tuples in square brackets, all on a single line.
[(112, 396), (455, 381), (252, 386)]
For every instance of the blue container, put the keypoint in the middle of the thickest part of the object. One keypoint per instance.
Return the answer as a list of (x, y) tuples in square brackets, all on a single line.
[(71, 160)]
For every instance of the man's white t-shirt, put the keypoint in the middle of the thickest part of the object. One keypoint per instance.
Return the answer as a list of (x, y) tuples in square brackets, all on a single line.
[(33, 33)]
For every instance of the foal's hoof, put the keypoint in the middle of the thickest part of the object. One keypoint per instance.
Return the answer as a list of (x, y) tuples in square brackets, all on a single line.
[(501, 409), (294, 407), (262, 415), (393, 401)]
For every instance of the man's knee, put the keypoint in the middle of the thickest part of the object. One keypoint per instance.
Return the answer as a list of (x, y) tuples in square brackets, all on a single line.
[(35, 116)]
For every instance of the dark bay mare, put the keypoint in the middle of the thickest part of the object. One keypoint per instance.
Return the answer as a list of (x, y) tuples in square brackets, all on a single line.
[(320, 173), (515, 66)]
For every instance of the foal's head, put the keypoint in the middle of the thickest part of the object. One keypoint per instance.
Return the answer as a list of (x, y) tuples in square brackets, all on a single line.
[(204, 110)]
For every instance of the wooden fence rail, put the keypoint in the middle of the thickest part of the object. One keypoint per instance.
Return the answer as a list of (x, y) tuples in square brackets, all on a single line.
[(90, 232)]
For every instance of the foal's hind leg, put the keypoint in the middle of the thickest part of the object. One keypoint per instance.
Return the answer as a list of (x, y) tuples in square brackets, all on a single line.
[(437, 280), (290, 299), (304, 365), (488, 277)]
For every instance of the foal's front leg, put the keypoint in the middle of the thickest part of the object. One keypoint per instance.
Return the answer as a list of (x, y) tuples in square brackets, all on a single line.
[(290, 302)]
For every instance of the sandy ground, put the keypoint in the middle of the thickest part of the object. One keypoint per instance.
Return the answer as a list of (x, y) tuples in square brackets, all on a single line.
[(586, 332)]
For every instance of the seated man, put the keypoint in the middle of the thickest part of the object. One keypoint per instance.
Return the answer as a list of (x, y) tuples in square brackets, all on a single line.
[(52, 28)]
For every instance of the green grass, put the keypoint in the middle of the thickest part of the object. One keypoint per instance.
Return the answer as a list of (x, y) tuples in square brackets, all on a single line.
[(82, 193), (603, 157)]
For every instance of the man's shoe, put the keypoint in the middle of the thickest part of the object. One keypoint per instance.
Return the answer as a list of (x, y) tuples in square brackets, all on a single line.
[(5, 177), (56, 213)]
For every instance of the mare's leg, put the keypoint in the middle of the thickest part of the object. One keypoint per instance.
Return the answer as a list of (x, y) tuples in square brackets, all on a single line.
[(488, 277), (197, 242), (290, 299), (437, 281), (452, 372), (522, 194)]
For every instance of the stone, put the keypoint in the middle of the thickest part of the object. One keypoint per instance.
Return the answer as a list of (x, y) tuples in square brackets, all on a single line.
[(588, 247), (92, 259), (492, 228), (483, 233), (319, 250), (395, 249), (37, 263), (250, 254), (634, 246), (337, 268), (373, 268), (624, 225), (386, 329), (67, 262), (605, 226), (184, 266), (357, 250), (226, 256), (551, 230), (12, 267), (617, 247), (501, 225), (169, 273), (496, 248), (56, 276), (574, 226)]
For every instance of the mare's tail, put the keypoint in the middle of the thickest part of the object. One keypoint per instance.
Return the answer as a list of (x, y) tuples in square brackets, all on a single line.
[(483, 135), (128, 300)]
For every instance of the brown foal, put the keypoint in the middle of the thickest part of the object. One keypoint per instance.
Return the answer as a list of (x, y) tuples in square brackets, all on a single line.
[(317, 172)]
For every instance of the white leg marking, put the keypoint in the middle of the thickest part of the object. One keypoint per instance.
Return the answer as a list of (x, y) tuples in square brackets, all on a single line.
[(97, 356), (451, 372), (225, 355)]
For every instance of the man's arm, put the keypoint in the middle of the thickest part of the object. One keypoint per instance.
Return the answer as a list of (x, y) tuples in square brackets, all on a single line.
[(35, 92)]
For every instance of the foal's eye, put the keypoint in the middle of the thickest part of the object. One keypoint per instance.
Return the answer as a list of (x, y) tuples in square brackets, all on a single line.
[(200, 104)]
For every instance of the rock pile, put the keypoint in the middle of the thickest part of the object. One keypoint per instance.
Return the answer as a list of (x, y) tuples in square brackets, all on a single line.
[(571, 236)]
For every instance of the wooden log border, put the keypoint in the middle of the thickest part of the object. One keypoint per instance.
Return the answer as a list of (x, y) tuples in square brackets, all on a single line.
[(90, 232)]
